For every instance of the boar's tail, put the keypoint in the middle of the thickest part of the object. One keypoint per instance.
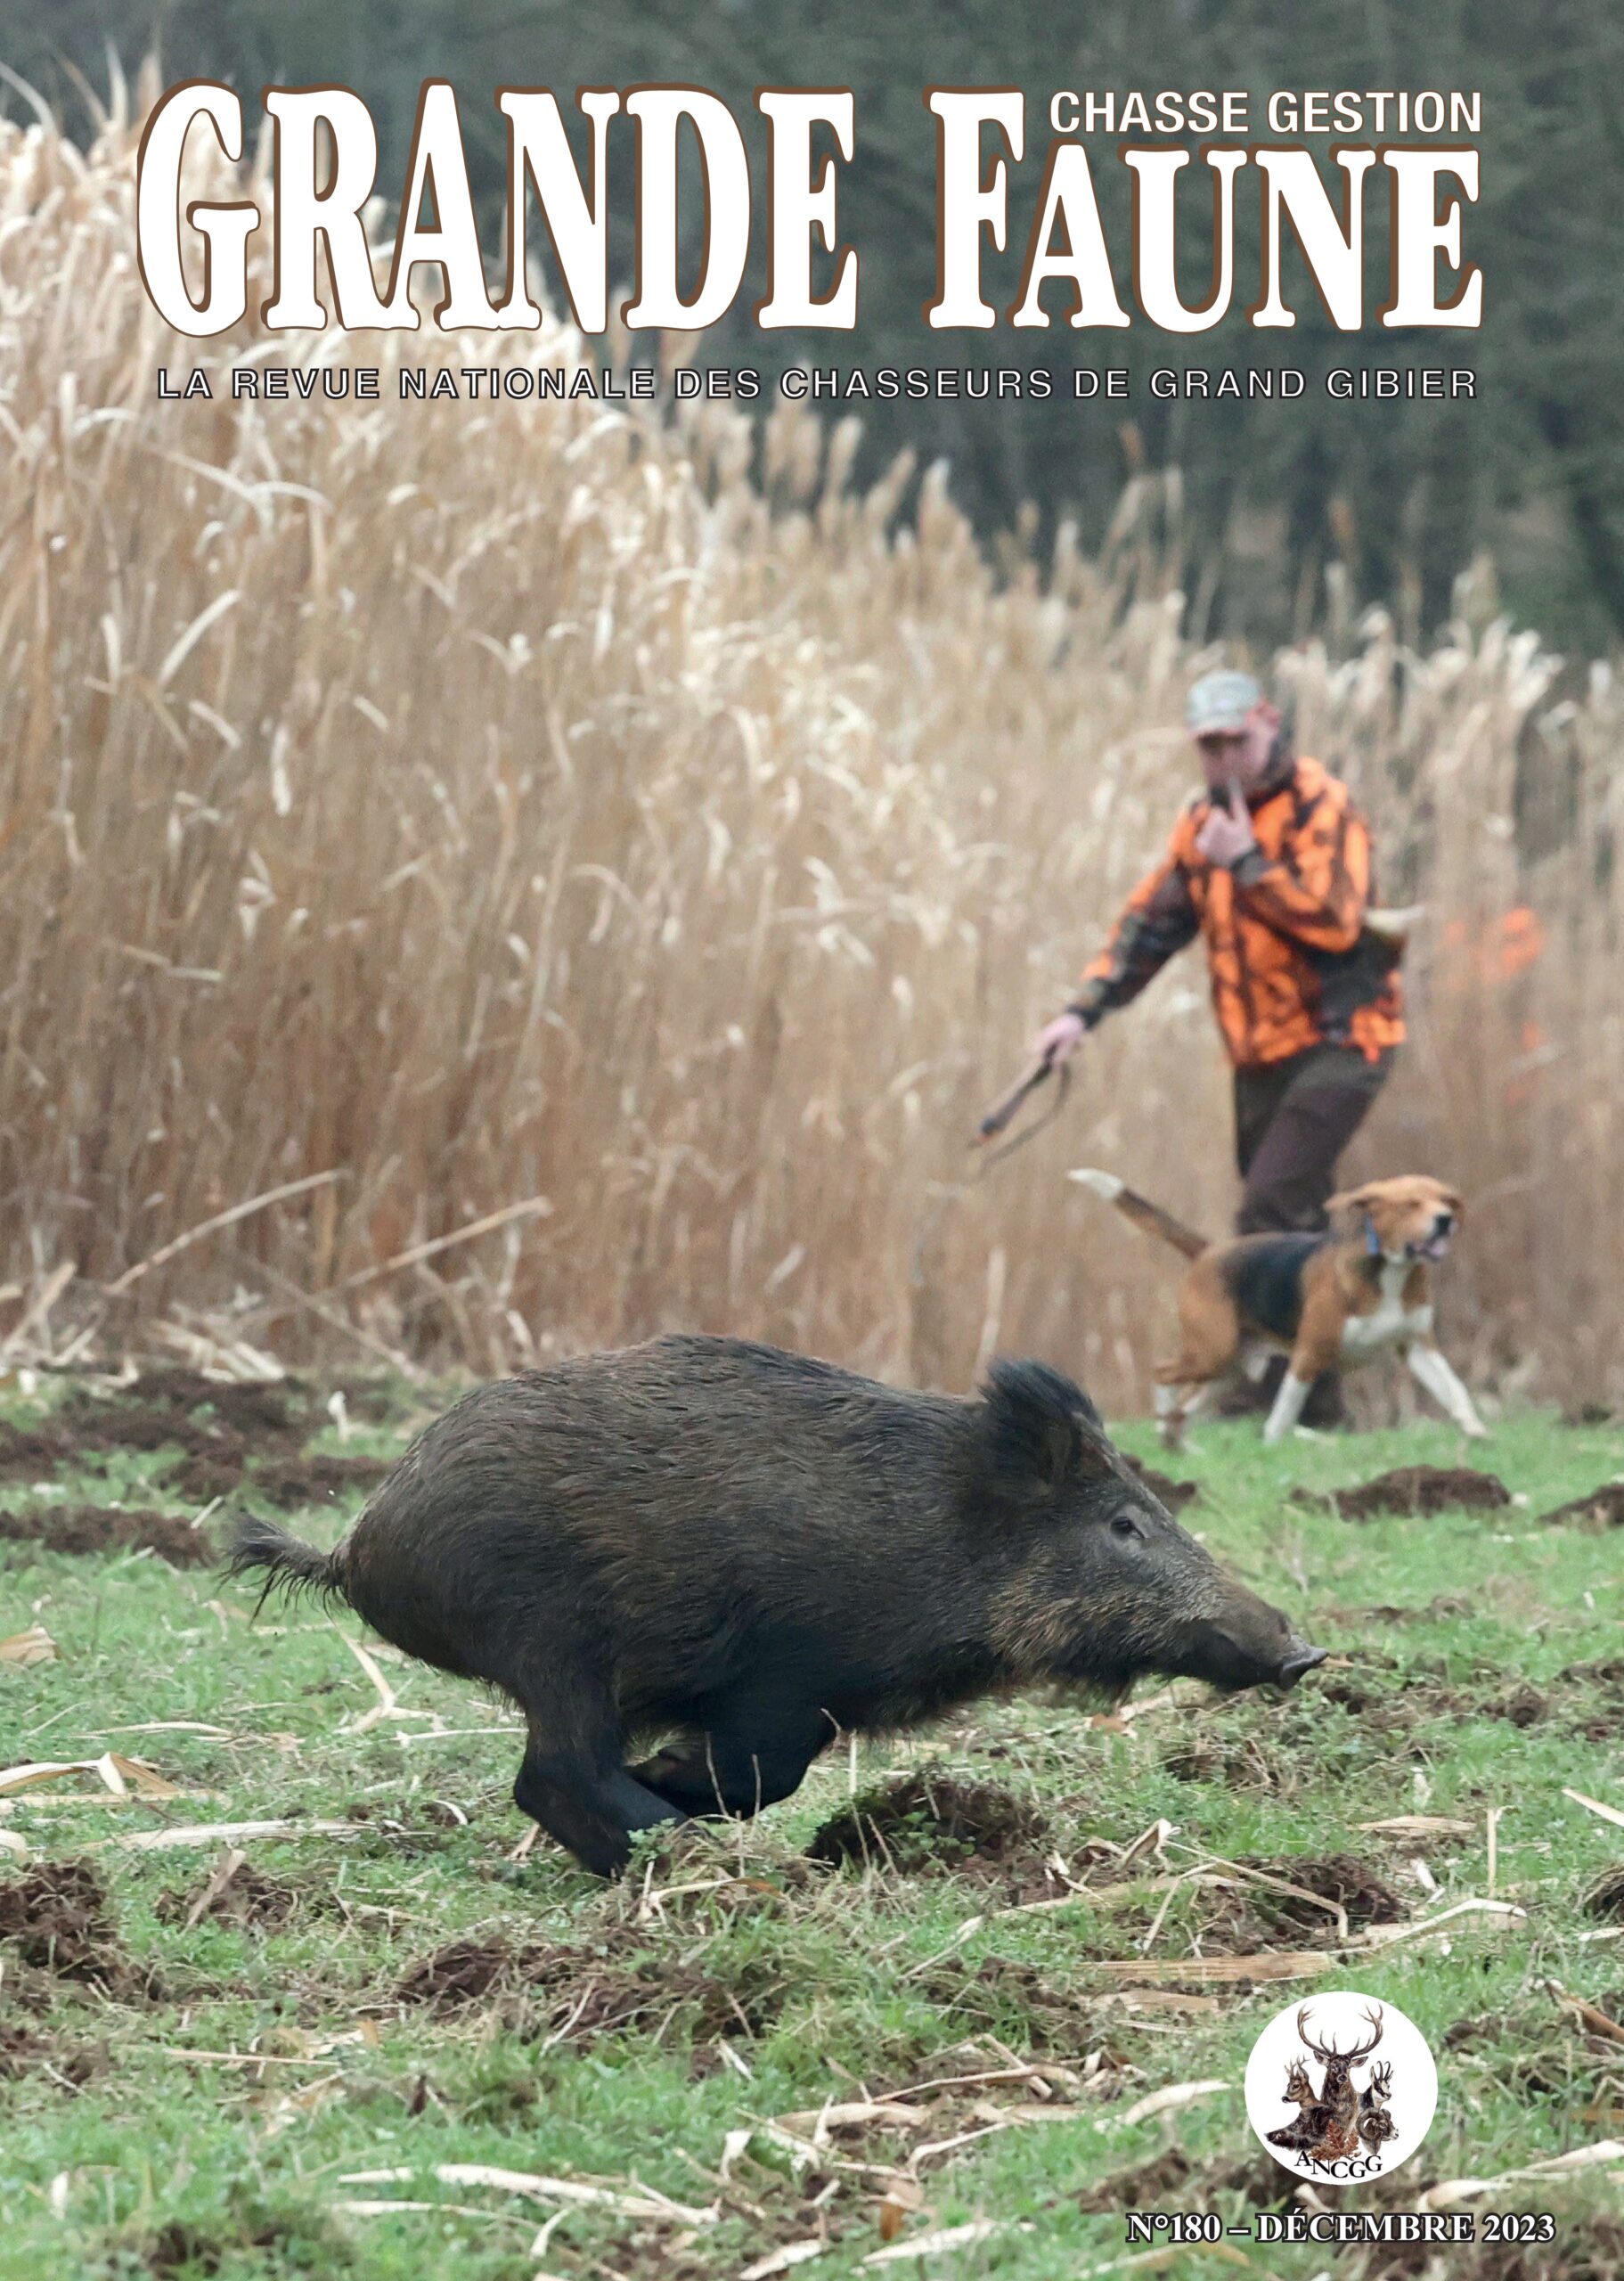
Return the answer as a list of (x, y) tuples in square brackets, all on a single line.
[(1142, 1212), (290, 1563)]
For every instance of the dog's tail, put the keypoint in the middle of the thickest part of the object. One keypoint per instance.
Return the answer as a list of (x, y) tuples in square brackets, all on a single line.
[(1142, 1212)]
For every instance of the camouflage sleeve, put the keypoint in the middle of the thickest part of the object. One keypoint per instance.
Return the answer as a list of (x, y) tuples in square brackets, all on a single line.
[(1158, 920), (1318, 888)]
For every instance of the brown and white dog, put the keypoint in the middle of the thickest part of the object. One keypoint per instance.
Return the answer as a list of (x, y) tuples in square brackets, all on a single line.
[(1327, 1301)]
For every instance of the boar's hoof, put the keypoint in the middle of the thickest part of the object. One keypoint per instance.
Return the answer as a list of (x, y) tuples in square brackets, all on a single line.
[(592, 1815)]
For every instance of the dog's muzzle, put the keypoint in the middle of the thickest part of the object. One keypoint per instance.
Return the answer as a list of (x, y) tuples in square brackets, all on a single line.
[(1436, 1245)]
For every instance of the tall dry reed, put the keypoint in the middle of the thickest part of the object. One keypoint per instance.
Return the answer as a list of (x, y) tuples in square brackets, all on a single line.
[(482, 804)]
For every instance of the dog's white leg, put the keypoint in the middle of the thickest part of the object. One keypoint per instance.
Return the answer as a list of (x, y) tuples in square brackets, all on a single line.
[(1169, 1414), (1431, 1371), (1254, 1361), (1176, 1406), (1288, 1407)]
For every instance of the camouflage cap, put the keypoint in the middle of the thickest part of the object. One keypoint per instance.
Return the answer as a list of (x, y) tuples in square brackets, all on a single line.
[(1220, 703)]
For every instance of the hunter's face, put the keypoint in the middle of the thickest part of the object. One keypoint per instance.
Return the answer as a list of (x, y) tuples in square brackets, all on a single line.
[(1239, 755)]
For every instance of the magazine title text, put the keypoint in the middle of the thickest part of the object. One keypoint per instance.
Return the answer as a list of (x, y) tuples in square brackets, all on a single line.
[(323, 185)]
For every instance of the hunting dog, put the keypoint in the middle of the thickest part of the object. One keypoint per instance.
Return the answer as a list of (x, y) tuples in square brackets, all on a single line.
[(1327, 1301)]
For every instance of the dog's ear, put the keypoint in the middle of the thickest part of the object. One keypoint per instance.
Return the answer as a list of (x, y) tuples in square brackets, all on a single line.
[(1356, 1199), (1452, 1200)]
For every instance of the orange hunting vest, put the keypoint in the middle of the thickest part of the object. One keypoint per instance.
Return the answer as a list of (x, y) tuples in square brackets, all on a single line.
[(1292, 966)]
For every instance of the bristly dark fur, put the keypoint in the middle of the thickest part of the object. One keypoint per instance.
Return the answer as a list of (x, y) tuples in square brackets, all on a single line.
[(291, 1565), (1038, 1424), (741, 1553)]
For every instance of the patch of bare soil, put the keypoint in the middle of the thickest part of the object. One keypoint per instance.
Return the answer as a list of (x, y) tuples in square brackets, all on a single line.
[(1364, 1895), (211, 1438), (263, 1416), (1393, 1712), (81, 1529), (1174, 1494), (24, 2052), (1601, 1508), (29, 1455), (1608, 1673), (927, 1821), (205, 1480), (55, 1917), (89, 1428), (114, 1427), (181, 2248), (461, 1972), (251, 1897), (573, 1992), (307, 2245), (1243, 1764), (1524, 1707), (1603, 1896), (1354, 1692), (1416, 1489)]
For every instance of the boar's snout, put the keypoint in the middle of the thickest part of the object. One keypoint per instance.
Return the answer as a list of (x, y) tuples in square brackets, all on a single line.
[(1247, 1643), (1302, 1658)]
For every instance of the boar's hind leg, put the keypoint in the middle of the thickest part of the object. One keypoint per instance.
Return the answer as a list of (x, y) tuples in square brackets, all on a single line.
[(748, 1759), (579, 1792)]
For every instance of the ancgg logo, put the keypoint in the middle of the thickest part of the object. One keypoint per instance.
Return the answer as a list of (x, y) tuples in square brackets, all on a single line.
[(1341, 2089)]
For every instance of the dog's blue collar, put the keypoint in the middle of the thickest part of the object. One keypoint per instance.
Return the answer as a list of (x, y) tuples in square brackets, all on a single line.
[(1373, 1242)]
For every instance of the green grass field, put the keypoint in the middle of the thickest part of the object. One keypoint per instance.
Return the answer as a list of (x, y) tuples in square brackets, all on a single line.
[(278, 2086)]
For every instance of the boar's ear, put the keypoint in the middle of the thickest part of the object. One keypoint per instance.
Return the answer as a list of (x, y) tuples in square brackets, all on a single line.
[(1040, 1427)]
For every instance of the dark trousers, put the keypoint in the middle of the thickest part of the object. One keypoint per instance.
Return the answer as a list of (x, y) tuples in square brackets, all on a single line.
[(1293, 1120)]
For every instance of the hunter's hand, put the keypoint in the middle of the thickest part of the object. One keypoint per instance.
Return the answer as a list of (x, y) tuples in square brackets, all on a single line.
[(1058, 1040), (1227, 835)]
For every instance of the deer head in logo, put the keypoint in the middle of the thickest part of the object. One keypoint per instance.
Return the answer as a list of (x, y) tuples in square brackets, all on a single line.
[(1299, 2093), (1299, 2084), (1333, 2118)]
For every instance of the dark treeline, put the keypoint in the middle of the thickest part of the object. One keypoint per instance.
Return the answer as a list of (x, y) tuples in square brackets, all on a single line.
[(1403, 495)]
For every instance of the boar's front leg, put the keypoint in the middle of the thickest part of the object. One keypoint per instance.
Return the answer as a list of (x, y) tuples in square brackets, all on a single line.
[(751, 1754), (579, 1792)]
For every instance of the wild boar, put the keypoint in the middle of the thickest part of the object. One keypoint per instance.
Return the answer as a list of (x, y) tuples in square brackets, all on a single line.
[(752, 1551)]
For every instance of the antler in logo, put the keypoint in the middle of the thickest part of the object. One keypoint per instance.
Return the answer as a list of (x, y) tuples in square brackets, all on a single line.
[(1335, 2120)]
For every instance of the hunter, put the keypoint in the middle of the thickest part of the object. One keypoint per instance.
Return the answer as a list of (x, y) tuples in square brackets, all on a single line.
[(1271, 863)]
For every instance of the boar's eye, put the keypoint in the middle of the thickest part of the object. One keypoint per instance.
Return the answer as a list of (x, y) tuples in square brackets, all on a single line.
[(1123, 1524)]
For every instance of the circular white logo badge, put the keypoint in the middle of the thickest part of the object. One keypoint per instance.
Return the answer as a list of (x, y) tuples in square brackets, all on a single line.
[(1342, 2088)]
